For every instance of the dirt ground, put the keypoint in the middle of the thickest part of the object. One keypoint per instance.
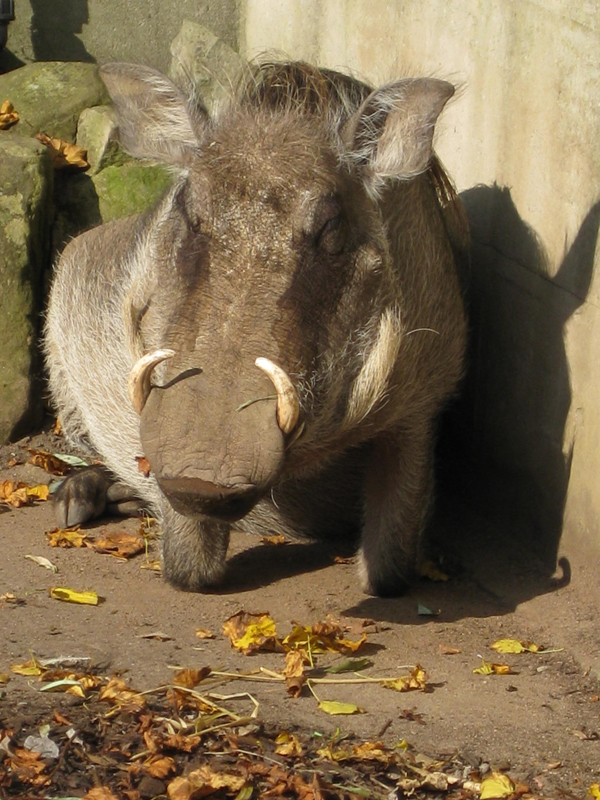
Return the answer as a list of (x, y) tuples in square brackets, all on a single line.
[(540, 725)]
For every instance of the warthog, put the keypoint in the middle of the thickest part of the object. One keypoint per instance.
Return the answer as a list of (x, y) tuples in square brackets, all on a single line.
[(277, 336)]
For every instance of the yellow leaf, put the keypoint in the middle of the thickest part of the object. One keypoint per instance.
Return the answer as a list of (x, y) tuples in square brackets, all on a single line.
[(29, 668), (416, 680), (42, 492), (286, 744), (203, 633), (514, 646), (8, 115), (118, 692), (276, 539), (487, 668), (251, 632), (67, 537), (321, 637), (333, 707), (372, 751), (4, 677), (71, 596), (497, 785), (594, 791), (13, 494)]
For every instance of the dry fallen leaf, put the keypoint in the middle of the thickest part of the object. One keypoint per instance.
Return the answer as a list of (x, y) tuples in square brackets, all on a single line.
[(14, 494), (496, 786), (487, 668), (66, 537), (120, 544), (514, 646), (202, 782), (4, 677), (333, 707), (120, 694), (71, 596), (57, 428), (65, 155), (43, 562), (321, 637), (445, 650), (99, 793), (276, 539), (417, 679), (190, 677), (28, 668), (250, 633), (594, 791), (8, 115), (294, 672), (49, 462), (203, 633), (286, 744)]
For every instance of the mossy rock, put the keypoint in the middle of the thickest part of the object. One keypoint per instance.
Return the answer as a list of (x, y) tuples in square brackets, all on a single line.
[(129, 188), (49, 96)]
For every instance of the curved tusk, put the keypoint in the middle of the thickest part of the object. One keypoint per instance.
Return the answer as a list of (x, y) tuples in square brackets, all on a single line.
[(139, 384), (288, 406)]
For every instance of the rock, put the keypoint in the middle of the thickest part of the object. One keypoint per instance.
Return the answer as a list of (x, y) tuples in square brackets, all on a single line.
[(202, 61), (95, 131), (49, 96), (84, 201), (25, 212), (130, 188)]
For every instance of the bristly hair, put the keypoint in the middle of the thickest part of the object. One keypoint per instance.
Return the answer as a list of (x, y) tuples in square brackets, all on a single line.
[(300, 88)]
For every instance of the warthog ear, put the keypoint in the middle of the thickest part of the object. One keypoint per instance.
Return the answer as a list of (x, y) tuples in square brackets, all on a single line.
[(155, 119), (391, 134)]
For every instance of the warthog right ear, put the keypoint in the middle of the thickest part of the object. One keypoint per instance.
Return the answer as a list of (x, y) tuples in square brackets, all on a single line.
[(391, 135), (156, 121)]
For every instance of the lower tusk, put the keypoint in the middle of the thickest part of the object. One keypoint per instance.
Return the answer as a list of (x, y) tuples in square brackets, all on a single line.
[(139, 385), (288, 406)]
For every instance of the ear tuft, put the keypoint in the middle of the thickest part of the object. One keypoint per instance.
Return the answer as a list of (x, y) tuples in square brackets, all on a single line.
[(391, 135), (156, 121)]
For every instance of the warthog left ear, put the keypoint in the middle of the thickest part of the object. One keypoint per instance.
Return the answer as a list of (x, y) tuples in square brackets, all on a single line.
[(156, 121), (391, 135)]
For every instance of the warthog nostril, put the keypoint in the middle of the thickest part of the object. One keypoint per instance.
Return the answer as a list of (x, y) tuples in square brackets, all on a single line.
[(195, 496)]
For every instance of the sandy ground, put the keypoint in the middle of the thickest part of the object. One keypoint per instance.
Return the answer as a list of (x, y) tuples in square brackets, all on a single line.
[(540, 724)]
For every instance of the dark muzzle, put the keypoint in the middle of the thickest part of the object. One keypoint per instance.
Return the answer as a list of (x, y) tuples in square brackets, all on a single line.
[(191, 496)]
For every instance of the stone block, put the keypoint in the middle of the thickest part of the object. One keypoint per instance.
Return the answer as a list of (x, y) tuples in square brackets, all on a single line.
[(25, 210), (95, 133), (203, 62), (50, 96)]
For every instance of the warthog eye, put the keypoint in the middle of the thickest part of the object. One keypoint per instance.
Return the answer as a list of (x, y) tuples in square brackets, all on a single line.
[(332, 236)]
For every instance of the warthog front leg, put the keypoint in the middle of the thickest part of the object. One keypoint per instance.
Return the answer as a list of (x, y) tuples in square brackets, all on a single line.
[(91, 492), (398, 495), (194, 549)]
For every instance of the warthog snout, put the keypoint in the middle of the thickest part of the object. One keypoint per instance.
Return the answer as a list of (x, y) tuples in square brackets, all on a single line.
[(195, 496)]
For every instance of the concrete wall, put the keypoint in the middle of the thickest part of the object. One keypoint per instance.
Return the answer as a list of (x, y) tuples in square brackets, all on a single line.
[(522, 141), (109, 30)]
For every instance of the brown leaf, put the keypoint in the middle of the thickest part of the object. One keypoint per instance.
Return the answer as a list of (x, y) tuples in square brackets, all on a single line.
[(294, 672), (8, 115), (118, 693), (202, 782), (45, 460), (64, 154), (57, 428), (161, 767), (445, 650), (99, 793), (275, 539), (66, 537), (203, 633), (119, 544), (190, 677), (286, 744), (143, 465)]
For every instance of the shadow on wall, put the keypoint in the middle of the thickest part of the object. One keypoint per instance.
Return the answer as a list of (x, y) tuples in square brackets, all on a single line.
[(54, 29), (517, 394)]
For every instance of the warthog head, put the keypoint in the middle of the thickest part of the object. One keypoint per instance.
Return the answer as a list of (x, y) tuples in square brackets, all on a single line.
[(264, 309)]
